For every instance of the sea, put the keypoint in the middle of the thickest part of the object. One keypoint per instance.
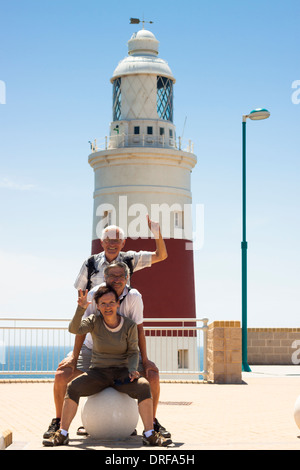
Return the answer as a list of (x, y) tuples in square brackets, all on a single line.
[(22, 362), (41, 362)]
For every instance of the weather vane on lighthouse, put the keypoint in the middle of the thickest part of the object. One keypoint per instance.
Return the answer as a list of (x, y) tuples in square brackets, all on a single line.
[(138, 21)]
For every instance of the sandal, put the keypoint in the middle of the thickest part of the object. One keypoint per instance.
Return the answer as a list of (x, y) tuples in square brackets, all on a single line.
[(81, 431)]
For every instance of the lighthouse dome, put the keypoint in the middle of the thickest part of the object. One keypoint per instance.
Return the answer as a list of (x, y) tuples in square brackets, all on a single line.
[(142, 57), (143, 42)]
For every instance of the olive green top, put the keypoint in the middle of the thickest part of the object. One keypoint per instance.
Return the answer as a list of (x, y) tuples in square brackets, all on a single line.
[(116, 347)]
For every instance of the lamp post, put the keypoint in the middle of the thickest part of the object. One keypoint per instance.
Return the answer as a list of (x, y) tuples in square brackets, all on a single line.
[(255, 115)]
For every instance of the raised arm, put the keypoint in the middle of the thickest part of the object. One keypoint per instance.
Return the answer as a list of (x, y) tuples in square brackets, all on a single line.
[(161, 251), (77, 325)]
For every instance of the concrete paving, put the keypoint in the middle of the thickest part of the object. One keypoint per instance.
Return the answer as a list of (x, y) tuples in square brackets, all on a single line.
[(255, 415)]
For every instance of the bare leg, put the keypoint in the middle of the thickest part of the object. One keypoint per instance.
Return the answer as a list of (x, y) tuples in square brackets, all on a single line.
[(62, 378), (153, 379), (68, 413), (146, 413)]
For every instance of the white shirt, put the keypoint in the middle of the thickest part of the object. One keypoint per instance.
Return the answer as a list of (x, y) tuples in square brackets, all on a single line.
[(141, 260), (132, 307)]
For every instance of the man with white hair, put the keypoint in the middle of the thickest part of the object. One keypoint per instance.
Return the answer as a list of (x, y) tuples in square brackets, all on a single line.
[(112, 241)]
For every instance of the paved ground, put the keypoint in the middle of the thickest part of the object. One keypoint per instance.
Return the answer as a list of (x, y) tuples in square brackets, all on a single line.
[(258, 414)]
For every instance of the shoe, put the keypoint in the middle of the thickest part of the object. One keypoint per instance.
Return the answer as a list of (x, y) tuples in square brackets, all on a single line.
[(160, 429), (53, 427), (58, 439), (156, 439), (81, 431)]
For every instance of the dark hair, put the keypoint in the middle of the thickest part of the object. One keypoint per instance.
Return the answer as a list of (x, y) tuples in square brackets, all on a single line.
[(104, 290)]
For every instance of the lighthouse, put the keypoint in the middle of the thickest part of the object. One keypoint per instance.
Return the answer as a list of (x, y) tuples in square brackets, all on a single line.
[(142, 168)]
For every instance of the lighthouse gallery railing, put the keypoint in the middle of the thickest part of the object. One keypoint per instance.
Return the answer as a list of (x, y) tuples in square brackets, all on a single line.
[(34, 347), (141, 140)]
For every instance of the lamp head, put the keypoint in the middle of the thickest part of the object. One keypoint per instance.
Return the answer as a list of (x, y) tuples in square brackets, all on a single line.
[(259, 114)]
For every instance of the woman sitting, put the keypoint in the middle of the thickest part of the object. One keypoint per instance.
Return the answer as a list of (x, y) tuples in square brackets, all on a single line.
[(114, 364)]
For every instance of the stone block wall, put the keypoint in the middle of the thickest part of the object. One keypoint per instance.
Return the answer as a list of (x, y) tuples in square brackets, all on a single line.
[(273, 346), (224, 352), (266, 346)]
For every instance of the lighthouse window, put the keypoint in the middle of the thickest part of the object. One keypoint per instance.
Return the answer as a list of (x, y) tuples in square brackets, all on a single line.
[(149, 130), (161, 131), (165, 98), (178, 219), (117, 99), (108, 216), (136, 130)]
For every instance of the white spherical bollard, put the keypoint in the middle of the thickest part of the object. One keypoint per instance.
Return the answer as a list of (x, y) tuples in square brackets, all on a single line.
[(297, 412), (110, 415)]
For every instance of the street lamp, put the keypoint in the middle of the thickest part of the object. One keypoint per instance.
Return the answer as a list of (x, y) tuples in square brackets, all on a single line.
[(255, 115)]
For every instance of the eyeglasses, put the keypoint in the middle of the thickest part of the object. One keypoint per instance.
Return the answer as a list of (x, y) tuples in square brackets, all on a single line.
[(109, 304), (114, 276), (114, 241)]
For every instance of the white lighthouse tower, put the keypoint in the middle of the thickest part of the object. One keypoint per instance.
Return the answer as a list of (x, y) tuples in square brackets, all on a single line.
[(142, 170)]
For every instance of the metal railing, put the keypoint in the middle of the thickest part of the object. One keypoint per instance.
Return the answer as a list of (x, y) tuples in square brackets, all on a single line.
[(34, 347), (179, 347), (141, 140)]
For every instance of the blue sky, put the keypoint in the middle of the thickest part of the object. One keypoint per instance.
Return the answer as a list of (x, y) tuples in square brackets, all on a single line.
[(228, 58)]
